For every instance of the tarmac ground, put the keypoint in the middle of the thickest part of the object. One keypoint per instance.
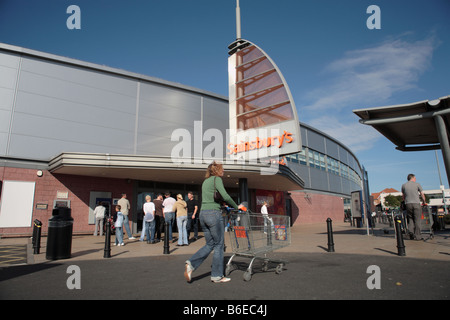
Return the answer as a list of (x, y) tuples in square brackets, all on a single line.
[(363, 267)]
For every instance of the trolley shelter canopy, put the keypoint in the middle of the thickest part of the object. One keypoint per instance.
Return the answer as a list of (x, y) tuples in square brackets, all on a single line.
[(162, 169), (411, 127), (418, 126)]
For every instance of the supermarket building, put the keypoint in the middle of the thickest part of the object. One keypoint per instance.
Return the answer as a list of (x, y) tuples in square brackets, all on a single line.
[(73, 133)]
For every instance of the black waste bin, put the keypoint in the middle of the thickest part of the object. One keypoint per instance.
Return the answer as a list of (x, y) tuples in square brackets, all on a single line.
[(59, 238)]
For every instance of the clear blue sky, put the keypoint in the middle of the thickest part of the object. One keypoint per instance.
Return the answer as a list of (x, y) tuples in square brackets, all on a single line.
[(331, 60)]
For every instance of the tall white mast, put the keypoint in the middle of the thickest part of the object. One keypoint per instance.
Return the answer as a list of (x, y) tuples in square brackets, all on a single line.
[(238, 21)]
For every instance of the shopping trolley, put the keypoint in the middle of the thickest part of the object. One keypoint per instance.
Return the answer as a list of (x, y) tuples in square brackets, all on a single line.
[(254, 236), (426, 222)]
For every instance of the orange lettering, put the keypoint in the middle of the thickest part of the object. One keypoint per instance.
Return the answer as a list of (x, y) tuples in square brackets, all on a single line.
[(288, 137), (258, 143), (240, 232), (230, 147)]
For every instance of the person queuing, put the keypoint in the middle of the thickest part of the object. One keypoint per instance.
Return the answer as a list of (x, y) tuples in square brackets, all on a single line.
[(168, 212), (149, 219), (192, 209), (180, 207), (159, 217), (118, 226)]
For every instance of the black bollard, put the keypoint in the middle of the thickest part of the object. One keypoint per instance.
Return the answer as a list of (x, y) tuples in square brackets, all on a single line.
[(37, 236), (166, 238), (330, 236), (398, 232), (107, 251)]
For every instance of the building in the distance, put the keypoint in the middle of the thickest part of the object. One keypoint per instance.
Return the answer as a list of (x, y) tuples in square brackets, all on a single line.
[(434, 196), (73, 133)]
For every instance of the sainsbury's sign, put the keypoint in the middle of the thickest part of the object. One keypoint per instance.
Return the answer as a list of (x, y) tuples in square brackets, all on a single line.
[(259, 143)]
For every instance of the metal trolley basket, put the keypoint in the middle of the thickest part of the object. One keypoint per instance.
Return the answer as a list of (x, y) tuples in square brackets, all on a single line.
[(426, 222), (254, 236)]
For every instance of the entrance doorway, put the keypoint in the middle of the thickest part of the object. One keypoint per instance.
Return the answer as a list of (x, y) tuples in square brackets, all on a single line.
[(152, 189)]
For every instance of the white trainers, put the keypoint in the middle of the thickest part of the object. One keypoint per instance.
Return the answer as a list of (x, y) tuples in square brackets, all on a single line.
[(223, 279), (188, 272)]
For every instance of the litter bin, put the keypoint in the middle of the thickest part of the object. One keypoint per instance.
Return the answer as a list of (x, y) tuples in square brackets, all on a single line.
[(59, 238)]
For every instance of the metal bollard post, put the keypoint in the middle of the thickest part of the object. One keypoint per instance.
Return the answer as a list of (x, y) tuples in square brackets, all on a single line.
[(166, 238), (37, 236), (330, 236), (398, 232), (107, 251)]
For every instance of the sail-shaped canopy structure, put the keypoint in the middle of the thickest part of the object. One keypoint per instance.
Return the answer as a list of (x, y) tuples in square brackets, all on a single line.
[(263, 116)]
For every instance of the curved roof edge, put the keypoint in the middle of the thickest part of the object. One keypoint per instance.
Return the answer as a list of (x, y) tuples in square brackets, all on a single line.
[(302, 124), (163, 169), (103, 68)]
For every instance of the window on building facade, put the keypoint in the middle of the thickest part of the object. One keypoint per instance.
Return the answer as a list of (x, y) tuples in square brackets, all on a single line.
[(318, 160)]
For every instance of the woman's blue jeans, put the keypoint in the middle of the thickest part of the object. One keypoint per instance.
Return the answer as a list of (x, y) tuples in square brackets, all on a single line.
[(150, 228), (213, 228), (182, 233), (169, 217)]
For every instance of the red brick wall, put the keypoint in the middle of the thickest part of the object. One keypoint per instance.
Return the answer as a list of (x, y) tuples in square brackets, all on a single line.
[(314, 208), (78, 188), (309, 207)]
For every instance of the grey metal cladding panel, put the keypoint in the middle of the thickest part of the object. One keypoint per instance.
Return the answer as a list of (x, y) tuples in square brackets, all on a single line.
[(215, 123), (62, 110), (77, 75), (149, 126), (215, 114), (168, 103), (45, 149), (154, 134), (215, 108), (167, 116), (332, 149), (355, 165), (335, 183), (303, 132), (343, 155), (316, 141), (302, 171), (6, 99), (351, 162), (69, 132), (10, 60), (354, 186), (79, 93), (8, 77), (319, 179), (155, 146), (3, 143), (346, 186), (5, 117)]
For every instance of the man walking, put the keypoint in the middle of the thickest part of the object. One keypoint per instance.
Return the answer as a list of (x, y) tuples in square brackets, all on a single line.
[(411, 191), (125, 209)]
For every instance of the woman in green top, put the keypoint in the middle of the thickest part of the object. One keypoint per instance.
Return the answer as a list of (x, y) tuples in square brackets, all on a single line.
[(212, 224)]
